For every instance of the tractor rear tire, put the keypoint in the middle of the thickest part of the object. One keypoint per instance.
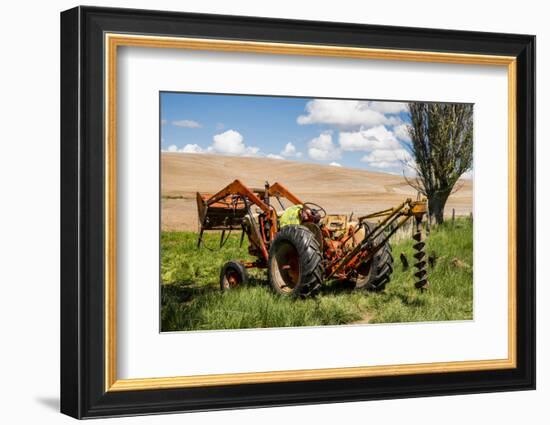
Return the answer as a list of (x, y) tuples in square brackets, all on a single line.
[(295, 265), (376, 273), (232, 275)]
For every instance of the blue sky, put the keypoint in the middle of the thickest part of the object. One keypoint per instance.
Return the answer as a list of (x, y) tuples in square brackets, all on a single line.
[(359, 134)]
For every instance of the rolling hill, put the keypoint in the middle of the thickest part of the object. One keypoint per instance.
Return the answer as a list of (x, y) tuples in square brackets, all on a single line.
[(337, 189)]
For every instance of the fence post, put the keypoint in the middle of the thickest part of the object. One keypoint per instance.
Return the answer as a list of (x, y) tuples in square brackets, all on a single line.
[(453, 219)]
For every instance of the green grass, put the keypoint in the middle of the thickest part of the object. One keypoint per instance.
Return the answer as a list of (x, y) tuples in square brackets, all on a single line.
[(192, 300)]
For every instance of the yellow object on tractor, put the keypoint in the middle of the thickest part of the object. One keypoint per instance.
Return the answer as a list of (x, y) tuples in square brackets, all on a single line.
[(301, 245)]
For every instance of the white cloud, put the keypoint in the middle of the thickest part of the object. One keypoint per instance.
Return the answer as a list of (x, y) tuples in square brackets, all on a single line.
[(335, 164), (163, 122), (289, 150), (192, 148), (400, 131), (388, 107), (189, 148), (274, 156), (372, 127), (231, 142), (382, 145), (322, 149), (378, 137), (187, 124), (386, 158), (220, 126), (349, 113)]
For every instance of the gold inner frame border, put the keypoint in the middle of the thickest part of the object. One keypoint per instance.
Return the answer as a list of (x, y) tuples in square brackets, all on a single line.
[(112, 41)]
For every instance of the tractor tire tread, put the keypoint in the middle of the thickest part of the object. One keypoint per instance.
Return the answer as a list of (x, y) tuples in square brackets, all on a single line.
[(311, 260), (383, 268)]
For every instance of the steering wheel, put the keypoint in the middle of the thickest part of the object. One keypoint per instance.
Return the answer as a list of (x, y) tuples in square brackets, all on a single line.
[(316, 209)]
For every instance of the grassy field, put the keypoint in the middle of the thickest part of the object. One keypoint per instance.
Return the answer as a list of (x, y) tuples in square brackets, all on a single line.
[(192, 300)]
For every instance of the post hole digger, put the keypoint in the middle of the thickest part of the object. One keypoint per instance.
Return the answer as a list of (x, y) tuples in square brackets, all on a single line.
[(301, 245)]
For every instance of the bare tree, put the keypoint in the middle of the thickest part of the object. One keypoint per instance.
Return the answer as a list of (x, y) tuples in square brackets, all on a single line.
[(442, 148)]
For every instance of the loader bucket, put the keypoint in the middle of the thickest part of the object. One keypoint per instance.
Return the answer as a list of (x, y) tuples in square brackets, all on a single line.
[(226, 214)]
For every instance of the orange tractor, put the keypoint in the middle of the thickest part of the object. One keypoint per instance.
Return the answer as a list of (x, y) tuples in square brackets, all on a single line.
[(301, 245)]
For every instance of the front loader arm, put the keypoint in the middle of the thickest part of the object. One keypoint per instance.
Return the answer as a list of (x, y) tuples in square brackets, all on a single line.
[(278, 190), (238, 188)]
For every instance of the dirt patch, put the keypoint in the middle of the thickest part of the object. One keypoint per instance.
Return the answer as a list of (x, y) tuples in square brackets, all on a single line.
[(367, 317)]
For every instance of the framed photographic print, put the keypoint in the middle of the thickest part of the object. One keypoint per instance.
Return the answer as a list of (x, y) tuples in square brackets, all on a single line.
[(261, 212)]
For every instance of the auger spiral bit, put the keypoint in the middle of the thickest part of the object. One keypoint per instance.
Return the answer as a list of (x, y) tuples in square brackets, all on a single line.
[(419, 255), (419, 246), (420, 265)]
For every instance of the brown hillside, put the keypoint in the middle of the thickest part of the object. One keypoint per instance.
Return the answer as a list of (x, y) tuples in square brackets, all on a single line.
[(337, 189)]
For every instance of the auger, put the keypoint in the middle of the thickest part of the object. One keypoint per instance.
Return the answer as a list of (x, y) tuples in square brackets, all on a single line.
[(420, 254)]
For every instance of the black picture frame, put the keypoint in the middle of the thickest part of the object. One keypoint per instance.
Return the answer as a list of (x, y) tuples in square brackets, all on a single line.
[(83, 392)]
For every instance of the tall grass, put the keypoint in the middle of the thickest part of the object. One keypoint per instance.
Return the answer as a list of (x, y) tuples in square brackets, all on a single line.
[(192, 300)]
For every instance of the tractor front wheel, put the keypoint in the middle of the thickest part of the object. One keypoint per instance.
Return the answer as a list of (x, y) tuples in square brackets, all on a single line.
[(233, 274), (295, 262)]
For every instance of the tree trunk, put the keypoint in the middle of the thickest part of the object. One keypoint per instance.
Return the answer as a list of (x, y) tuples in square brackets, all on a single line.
[(436, 204)]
